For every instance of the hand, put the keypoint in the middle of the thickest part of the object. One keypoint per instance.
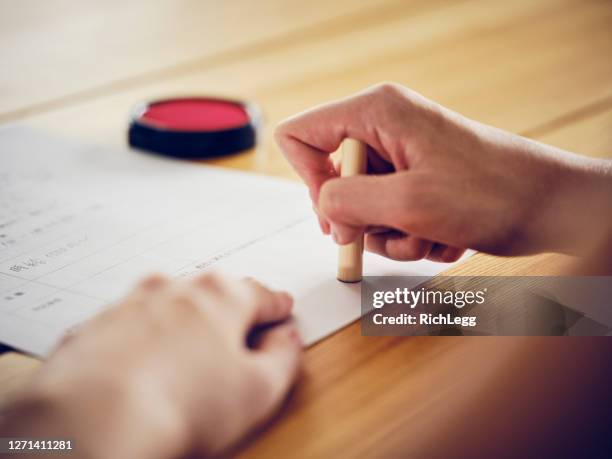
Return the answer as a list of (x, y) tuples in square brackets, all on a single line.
[(440, 183), (166, 373)]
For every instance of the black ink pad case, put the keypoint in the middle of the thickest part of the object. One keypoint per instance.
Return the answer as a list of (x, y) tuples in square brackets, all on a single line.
[(194, 127)]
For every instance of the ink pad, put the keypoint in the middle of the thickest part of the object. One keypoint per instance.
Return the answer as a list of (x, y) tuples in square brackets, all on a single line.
[(194, 127)]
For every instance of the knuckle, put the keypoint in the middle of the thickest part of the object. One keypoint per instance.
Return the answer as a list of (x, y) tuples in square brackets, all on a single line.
[(212, 280), (154, 280), (388, 88), (187, 303), (281, 132)]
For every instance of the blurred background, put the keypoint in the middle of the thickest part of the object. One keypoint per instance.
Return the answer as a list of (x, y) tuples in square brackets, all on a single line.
[(538, 68)]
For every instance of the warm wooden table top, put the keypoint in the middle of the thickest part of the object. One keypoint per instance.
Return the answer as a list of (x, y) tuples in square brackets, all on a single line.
[(539, 68)]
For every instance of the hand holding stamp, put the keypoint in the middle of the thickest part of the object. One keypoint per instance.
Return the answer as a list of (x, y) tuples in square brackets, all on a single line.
[(350, 256)]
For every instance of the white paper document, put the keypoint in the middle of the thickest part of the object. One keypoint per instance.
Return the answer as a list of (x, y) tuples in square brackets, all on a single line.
[(79, 225)]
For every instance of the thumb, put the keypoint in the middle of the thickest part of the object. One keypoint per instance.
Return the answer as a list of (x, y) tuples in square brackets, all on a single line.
[(352, 203), (278, 357)]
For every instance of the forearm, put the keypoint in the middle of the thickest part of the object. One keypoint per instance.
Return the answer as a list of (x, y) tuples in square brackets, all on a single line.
[(36, 417), (567, 198), (596, 212), (581, 210), (98, 423)]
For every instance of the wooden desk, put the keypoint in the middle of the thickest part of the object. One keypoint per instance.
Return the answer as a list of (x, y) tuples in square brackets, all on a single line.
[(539, 68)]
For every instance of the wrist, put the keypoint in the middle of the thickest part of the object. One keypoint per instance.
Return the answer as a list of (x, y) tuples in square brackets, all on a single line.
[(584, 203), (595, 213), (102, 417)]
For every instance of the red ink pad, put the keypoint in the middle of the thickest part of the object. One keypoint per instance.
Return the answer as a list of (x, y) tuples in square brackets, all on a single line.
[(194, 127)]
